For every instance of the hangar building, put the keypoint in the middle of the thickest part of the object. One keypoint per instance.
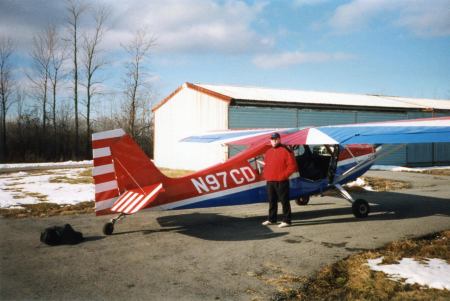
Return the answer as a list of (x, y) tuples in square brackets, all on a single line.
[(197, 108)]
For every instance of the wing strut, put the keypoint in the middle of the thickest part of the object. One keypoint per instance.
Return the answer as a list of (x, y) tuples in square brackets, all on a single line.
[(360, 207)]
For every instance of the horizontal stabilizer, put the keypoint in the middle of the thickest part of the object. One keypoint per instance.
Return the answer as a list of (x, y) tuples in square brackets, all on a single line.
[(136, 199)]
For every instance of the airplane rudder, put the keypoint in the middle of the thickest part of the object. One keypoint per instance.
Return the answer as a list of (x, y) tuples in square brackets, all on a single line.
[(137, 160), (103, 172)]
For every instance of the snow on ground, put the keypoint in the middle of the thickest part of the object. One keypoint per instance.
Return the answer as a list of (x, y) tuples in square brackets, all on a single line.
[(26, 166), (359, 183), (434, 273), (401, 168), (22, 188)]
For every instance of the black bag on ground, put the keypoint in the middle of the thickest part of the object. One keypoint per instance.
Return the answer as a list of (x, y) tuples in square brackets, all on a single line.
[(58, 235)]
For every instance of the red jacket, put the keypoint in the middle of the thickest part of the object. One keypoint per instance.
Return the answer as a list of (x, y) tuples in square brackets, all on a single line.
[(279, 164)]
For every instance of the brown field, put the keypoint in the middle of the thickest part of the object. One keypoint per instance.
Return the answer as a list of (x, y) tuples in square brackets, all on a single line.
[(436, 172), (45, 209), (84, 177), (175, 173), (351, 279), (380, 184)]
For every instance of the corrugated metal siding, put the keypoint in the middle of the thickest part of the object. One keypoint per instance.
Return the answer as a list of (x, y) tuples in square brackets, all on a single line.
[(260, 117), (378, 116), (419, 153), (442, 153), (256, 117), (320, 118), (396, 158), (442, 150)]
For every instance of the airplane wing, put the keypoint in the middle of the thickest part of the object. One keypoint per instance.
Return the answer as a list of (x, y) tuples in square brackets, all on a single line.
[(426, 130), (249, 136)]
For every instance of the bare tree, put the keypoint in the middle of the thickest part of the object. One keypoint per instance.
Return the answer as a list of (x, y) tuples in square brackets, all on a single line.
[(57, 51), (136, 88), (92, 62), (75, 10), (20, 117), (6, 88), (41, 57)]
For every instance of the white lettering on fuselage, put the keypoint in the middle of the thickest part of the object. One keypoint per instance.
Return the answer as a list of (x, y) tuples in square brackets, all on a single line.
[(217, 181)]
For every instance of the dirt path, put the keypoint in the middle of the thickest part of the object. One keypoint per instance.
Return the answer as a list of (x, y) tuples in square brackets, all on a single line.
[(220, 253)]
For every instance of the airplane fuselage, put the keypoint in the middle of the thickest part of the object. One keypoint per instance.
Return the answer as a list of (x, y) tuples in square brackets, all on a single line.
[(240, 180)]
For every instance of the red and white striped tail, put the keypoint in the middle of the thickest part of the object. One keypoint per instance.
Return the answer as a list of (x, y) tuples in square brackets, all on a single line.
[(136, 199), (106, 187)]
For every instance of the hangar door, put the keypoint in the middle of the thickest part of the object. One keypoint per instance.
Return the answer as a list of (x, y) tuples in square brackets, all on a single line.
[(240, 117)]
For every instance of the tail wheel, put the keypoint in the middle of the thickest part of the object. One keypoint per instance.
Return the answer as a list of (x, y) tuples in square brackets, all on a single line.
[(108, 228), (360, 208), (302, 201)]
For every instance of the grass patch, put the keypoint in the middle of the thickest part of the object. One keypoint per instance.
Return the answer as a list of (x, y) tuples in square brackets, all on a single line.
[(71, 180), (377, 184), (83, 177), (352, 279), (175, 173), (436, 172), (39, 196), (21, 194), (381, 184), (47, 209), (86, 173), (285, 283), (40, 172)]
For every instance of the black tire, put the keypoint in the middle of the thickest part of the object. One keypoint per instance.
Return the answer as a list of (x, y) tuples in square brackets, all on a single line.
[(302, 201), (360, 208), (108, 228)]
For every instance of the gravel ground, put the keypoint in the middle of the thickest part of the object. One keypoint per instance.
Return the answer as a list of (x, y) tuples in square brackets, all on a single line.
[(219, 253)]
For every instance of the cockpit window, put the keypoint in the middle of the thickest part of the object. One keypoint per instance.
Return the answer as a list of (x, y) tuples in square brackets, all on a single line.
[(298, 150), (257, 163)]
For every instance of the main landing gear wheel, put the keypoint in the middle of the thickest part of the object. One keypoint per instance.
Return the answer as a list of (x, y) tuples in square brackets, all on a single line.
[(108, 228), (302, 201), (360, 208)]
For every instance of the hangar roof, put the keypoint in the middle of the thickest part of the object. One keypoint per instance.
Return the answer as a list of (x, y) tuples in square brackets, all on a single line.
[(266, 95)]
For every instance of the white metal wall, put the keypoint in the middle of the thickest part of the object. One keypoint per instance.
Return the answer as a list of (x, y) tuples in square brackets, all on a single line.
[(187, 113)]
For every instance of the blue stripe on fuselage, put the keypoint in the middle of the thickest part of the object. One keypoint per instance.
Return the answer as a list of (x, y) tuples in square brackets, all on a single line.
[(298, 187), (250, 196)]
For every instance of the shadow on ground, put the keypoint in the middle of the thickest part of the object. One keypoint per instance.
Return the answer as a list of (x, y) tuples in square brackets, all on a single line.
[(384, 206), (213, 226)]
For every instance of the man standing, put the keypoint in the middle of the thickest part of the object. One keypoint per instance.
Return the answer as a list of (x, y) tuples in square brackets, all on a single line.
[(279, 165)]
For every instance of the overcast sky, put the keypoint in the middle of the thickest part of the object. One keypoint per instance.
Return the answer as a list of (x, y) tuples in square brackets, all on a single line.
[(391, 47)]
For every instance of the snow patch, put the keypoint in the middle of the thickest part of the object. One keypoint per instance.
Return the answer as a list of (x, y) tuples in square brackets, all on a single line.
[(401, 168), (46, 164), (434, 273), (359, 183), (20, 188)]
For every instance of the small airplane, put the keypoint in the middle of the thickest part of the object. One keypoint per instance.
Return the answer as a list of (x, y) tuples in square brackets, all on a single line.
[(127, 181)]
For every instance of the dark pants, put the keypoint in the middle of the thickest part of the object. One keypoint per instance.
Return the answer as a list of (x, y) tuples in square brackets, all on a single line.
[(279, 191)]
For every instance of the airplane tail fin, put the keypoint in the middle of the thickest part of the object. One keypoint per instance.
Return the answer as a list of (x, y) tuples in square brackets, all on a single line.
[(120, 165)]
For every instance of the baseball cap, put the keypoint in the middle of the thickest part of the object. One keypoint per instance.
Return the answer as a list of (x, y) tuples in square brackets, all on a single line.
[(275, 136)]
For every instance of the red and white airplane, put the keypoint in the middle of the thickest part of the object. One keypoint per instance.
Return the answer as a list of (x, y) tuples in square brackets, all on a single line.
[(127, 181)]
